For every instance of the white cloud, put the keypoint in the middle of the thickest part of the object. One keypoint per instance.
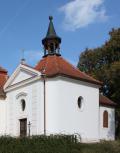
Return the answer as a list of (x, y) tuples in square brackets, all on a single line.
[(80, 13)]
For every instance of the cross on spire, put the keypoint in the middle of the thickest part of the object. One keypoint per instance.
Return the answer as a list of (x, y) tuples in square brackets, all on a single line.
[(23, 59)]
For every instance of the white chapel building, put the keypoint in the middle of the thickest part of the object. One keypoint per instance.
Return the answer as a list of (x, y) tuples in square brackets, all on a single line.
[(54, 97)]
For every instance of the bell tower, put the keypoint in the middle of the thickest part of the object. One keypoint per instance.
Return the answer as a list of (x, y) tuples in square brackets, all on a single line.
[(51, 42)]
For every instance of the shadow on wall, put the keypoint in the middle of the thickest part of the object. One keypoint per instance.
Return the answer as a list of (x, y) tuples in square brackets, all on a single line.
[(111, 126)]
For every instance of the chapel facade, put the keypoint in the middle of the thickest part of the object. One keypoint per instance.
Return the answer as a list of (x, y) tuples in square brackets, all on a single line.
[(54, 97)]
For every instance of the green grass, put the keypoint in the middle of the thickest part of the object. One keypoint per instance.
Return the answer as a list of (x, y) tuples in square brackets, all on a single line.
[(61, 144)]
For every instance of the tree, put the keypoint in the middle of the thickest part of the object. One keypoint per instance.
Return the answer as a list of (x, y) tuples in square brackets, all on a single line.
[(103, 63)]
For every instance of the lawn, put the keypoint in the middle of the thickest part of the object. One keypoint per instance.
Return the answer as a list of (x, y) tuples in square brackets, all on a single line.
[(41, 144)]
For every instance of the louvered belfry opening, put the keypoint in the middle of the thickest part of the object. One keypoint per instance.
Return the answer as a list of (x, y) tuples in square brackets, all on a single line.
[(52, 41)]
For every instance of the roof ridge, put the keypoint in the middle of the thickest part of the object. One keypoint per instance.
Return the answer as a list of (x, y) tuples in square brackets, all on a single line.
[(73, 66), (70, 64), (105, 100), (38, 62), (79, 70)]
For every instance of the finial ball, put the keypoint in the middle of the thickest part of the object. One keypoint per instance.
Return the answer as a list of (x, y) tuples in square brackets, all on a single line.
[(50, 18)]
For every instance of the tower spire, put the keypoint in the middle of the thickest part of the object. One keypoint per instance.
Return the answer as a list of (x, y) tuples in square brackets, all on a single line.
[(51, 42), (51, 30)]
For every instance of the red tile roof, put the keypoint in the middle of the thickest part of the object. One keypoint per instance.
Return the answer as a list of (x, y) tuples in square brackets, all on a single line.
[(3, 76), (2, 70), (55, 65), (3, 79), (106, 101)]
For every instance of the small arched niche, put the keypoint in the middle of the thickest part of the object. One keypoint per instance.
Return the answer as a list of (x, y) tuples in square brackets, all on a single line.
[(105, 119)]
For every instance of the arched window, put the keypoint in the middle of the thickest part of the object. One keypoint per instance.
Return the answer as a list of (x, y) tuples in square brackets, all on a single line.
[(23, 104), (105, 119), (80, 101)]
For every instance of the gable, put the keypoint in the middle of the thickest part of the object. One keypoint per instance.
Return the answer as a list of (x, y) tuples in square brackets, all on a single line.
[(22, 74)]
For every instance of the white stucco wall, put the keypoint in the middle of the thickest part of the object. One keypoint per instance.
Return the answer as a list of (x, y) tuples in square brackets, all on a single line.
[(2, 117), (107, 133), (33, 111), (63, 114)]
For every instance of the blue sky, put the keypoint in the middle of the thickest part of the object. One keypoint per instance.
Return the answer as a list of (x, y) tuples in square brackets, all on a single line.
[(80, 24)]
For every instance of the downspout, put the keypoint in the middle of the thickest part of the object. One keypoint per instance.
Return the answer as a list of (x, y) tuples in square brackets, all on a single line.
[(44, 100), (44, 106)]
